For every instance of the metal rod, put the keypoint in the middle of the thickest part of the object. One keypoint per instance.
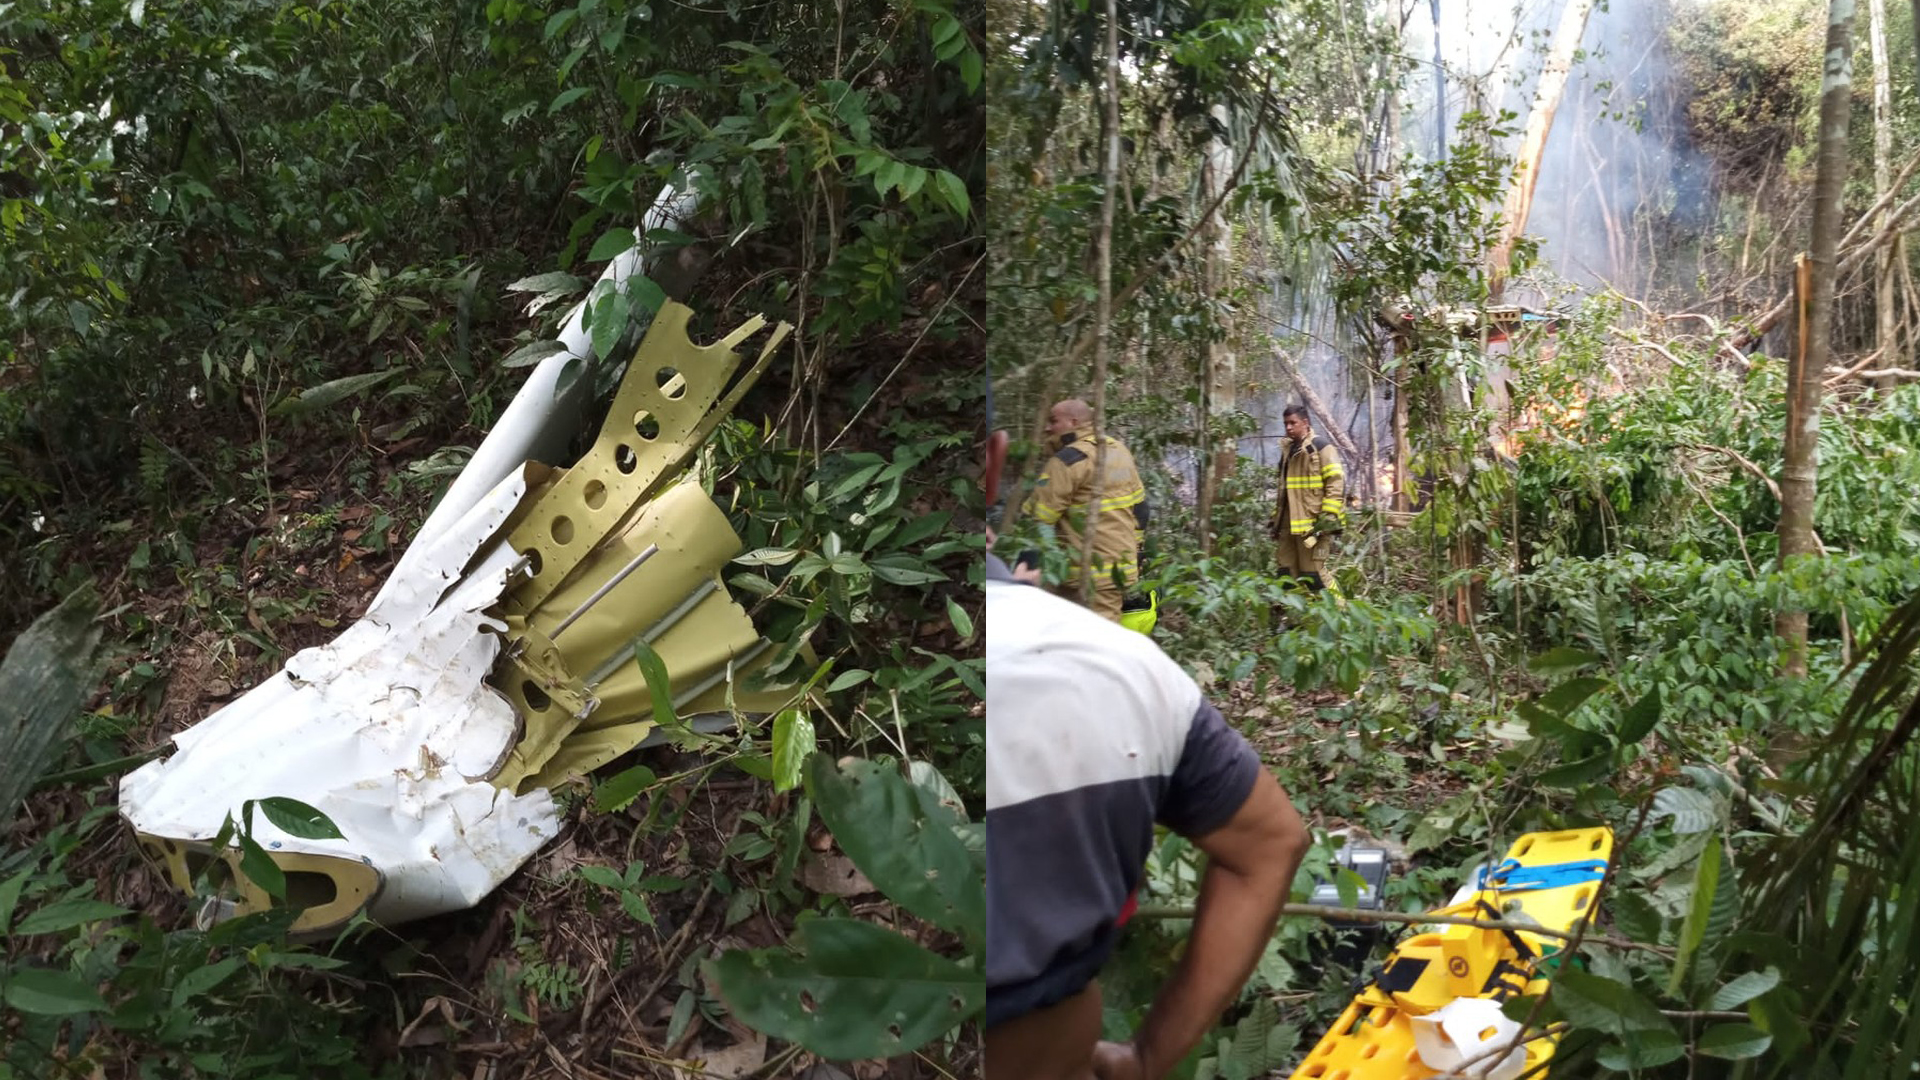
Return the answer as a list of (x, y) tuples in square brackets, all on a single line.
[(602, 591), (650, 634)]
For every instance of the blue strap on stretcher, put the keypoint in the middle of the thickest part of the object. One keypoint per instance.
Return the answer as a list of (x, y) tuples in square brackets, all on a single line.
[(1511, 876)]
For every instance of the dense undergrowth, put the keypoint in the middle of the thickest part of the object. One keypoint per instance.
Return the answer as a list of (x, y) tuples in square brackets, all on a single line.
[(264, 267), (1621, 670)]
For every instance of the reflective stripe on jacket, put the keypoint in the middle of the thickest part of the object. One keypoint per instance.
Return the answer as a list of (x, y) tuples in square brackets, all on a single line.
[(1068, 487), (1312, 482)]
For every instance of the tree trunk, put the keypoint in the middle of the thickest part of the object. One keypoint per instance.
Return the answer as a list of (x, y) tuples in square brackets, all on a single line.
[(1807, 374), (1402, 449), (1883, 308), (1219, 381), (1440, 89), (1103, 314), (1916, 46), (1546, 99)]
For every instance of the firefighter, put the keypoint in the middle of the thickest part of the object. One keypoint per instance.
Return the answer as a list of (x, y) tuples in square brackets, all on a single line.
[(1068, 491), (1311, 505)]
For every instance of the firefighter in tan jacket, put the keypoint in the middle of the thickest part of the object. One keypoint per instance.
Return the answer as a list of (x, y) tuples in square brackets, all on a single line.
[(1312, 500), (1068, 491)]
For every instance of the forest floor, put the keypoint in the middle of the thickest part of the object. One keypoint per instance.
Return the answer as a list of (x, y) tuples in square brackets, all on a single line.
[(546, 976)]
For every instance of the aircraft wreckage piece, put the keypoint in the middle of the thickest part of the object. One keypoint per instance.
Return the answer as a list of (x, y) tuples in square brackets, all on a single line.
[(495, 663)]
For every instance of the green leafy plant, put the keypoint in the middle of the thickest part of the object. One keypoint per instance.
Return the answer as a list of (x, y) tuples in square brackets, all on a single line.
[(851, 989)]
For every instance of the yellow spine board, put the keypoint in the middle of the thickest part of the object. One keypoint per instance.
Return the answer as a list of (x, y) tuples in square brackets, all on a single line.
[(1373, 1038)]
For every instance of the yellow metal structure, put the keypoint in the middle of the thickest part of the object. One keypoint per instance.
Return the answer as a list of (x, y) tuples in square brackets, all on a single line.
[(618, 553), (1549, 879)]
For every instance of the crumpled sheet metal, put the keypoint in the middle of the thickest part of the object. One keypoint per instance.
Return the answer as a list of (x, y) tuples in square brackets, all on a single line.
[(390, 729), (413, 730)]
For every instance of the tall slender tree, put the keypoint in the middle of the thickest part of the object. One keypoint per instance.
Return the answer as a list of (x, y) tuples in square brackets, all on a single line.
[(1882, 174), (1533, 144), (1806, 373), (1219, 378), (1103, 271)]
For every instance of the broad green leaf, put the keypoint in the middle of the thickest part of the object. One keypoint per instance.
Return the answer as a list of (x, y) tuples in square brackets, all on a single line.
[(604, 876), (848, 679), (920, 528), (912, 181), (758, 766), (1602, 1004), (67, 914), (853, 483), (1744, 988), (1733, 1041), (668, 239), (566, 98), (611, 243), (929, 779), (682, 1015), (557, 22), (905, 570), (295, 818), (1642, 1050), (1578, 773), (202, 979), (261, 869), (331, 392), (308, 960), (1564, 658), (646, 293), (962, 622), (902, 839), (1563, 700), (768, 556), (636, 908), (853, 990), (10, 890), (659, 686), (954, 190), (793, 744), (1706, 881), (1773, 1014), (1692, 810), (1636, 918), (51, 992), (970, 70), (618, 791), (1640, 718), (610, 315)]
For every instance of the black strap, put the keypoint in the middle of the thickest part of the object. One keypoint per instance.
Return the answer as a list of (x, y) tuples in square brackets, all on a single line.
[(1401, 974)]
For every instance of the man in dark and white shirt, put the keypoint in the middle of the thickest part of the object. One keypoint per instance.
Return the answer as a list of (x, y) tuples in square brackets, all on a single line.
[(1093, 737)]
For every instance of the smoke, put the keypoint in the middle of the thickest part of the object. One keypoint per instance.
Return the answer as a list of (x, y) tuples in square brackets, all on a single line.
[(1623, 197), (1622, 200)]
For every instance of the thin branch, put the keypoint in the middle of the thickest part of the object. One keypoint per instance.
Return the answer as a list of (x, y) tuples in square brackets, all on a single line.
[(1744, 462), (910, 350), (1855, 369), (1422, 918), (1461, 1071)]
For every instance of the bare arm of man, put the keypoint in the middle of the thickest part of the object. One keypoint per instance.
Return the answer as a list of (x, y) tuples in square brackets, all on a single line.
[(1250, 868)]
